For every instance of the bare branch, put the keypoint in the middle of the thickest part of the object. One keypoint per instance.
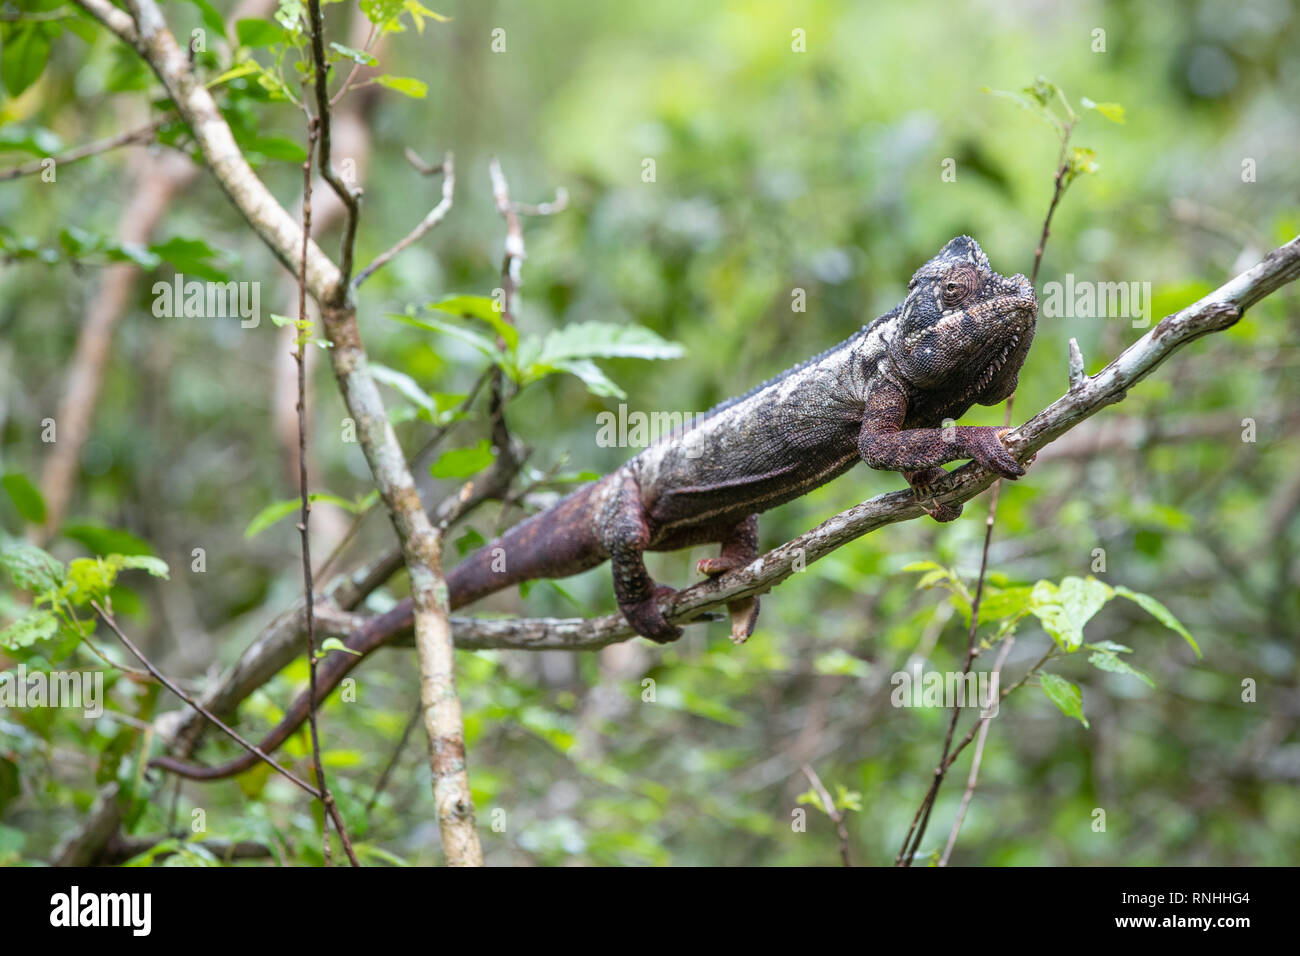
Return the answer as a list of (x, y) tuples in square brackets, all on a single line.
[(108, 619), (558, 204), (349, 197), (832, 811), (435, 216), (1007, 643), (1077, 377), (141, 134), (304, 531)]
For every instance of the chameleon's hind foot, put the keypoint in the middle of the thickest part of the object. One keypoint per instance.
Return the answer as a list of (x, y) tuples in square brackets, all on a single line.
[(648, 621), (924, 484)]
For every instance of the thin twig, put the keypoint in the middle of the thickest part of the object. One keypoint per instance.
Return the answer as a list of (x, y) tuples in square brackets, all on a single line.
[(832, 811), (139, 134), (108, 619), (346, 195), (300, 358), (971, 780), (347, 83), (435, 216), (513, 258), (910, 844)]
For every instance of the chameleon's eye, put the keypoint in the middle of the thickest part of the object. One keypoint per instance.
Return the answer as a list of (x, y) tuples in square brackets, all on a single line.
[(959, 284)]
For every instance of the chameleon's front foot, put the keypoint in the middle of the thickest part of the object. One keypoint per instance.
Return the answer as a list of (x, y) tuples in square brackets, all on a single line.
[(648, 621), (984, 444)]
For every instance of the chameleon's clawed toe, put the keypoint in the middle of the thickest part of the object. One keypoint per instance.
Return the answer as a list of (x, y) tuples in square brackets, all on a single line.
[(648, 621), (712, 567), (940, 511)]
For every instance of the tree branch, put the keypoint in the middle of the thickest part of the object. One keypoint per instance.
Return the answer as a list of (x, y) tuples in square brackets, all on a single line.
[(435, 216), (1215, 312), (141, 134), (281, 232), (349, 198)]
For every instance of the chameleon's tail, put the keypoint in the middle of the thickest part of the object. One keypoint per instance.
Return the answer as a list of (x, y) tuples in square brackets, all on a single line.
[(555, 543)]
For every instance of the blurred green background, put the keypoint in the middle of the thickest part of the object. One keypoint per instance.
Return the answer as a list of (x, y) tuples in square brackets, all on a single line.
[(775, 170)]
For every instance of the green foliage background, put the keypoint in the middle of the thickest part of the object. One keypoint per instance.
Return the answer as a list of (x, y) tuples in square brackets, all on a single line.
[(775, 170)]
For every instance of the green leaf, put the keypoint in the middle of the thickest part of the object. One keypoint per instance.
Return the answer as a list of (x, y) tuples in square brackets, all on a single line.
[(100, 540), (269, 515), (334, 644), (92, 578), (1160, 613), (404, 384), (931, 578), (356, 56), (254, 33), (483, 308), (839, 661), (419, 11), (190, 256), (1082, 160), (26, 498), (585, 340), (235, 72), (26, 50), (278, 148), (1065, 696), (416, 89), (1107, 661), (923, 566), (597, 382), (1001, 603), (31, 568), (1112, 111), (468, 541), (463, 462), (291, 14), (38, 625), (278, 510), (1065, 609), (379, 12), (482, 343), (142, 562), (211, 18)]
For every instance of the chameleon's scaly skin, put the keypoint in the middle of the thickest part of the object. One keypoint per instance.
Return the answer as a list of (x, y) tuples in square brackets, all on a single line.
[(958, 338), (882, 396)]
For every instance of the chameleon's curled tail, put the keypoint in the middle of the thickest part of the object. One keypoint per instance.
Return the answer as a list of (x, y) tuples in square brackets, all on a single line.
[(555, 543)]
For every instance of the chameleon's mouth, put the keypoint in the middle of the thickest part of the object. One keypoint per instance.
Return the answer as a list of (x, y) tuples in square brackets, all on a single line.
[(1021, 312), (991, 371)]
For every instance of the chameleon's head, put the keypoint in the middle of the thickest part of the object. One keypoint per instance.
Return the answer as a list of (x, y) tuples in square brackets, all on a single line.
[(963, 328)]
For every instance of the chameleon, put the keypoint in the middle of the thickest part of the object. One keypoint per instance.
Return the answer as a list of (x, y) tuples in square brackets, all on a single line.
[(887, 395)]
